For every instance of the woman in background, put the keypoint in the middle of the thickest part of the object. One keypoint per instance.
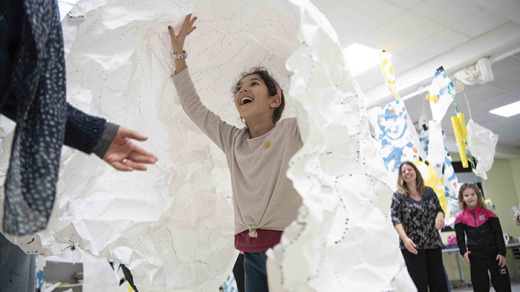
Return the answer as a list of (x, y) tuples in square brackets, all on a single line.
[(417, 215)]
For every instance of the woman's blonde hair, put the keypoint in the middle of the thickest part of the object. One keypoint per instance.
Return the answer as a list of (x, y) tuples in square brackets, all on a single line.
[(401, 184), (480, 197)]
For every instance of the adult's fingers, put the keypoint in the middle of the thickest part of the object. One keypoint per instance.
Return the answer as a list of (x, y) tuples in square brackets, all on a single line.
[(142, 157)]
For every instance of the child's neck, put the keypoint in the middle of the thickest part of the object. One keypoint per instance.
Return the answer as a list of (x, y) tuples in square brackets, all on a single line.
[(259, 127)]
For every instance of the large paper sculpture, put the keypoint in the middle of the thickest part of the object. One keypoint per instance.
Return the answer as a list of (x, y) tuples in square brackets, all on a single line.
[(335, 243), (172, 226)]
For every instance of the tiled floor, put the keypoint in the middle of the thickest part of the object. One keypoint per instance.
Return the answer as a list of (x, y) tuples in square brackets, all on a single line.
[(514, 285)]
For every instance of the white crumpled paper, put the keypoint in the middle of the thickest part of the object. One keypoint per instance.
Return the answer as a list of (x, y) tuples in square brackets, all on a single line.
[(341, 241), (172, 225), (481, 143)]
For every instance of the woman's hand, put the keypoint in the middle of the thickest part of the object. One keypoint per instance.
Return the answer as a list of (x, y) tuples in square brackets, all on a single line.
[(466, 258), (124, 155), (410, 245), (177, 41), (439, 221), (501, 260)]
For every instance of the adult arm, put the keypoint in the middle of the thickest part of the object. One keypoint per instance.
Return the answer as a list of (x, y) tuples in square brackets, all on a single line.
[(108, 141), (439, 217), (396, 215), (407, 241)]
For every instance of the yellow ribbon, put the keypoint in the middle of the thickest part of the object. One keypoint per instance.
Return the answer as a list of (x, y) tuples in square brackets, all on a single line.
[(461, 136)]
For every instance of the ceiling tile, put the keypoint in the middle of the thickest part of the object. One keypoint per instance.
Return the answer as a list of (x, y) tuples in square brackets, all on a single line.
[(326, 5), (435, 45), (407, 4), (478, 94), (507, 73), (352, 19), (399, 33), (447, 11), (480, 23), (507, 8)]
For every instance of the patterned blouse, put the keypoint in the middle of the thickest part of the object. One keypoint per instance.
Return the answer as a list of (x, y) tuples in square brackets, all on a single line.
[(417, 218)]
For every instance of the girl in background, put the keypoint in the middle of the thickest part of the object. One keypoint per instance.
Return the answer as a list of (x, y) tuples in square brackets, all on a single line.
[(485, 248)]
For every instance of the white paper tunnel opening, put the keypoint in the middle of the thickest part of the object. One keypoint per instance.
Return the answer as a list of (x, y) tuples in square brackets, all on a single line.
[(173, 224)]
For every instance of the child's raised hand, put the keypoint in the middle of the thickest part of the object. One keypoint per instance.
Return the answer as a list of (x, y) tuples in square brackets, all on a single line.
[(501, 260), (466, 258), (177, 40)]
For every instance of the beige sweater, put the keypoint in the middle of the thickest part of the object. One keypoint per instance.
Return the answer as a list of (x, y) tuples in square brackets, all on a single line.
[(264, 198)]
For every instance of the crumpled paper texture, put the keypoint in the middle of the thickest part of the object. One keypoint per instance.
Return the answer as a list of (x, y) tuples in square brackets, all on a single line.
[(335, 243), (172, 225), (481, 143)]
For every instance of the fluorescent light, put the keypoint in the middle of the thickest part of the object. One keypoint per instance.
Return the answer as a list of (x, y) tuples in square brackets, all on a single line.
[(361, 58), (507, 110)]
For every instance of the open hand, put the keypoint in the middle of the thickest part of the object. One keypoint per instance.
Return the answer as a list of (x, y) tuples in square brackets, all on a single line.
[(124, 155), (410, 245), (501, 260), (466, 258), (177, 40)]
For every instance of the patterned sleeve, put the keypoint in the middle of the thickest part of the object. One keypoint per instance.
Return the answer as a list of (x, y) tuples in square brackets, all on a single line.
[(396, 210), (436, 201)]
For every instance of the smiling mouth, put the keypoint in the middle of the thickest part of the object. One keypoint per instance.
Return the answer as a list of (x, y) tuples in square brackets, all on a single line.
[(245, 100)]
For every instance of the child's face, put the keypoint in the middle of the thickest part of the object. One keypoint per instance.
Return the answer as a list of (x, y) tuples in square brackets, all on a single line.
[(408, 173), (470, 198), (252, 99)]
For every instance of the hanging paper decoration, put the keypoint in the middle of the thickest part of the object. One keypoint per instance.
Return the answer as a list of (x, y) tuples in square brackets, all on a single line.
[(481, 144), (423, 130), (461, 136), (446, 173), (481, 73), (441, 95), (388, 72), (397, 142), (431, 179)]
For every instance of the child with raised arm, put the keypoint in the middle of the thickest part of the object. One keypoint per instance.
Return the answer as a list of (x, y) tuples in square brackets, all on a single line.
[(264, 199), (485, 248)]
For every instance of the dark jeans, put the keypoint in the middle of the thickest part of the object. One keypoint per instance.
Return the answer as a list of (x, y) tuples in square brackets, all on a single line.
[(426, 269), (479, 274), (238, 272), (255, 272), (18, 269)]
